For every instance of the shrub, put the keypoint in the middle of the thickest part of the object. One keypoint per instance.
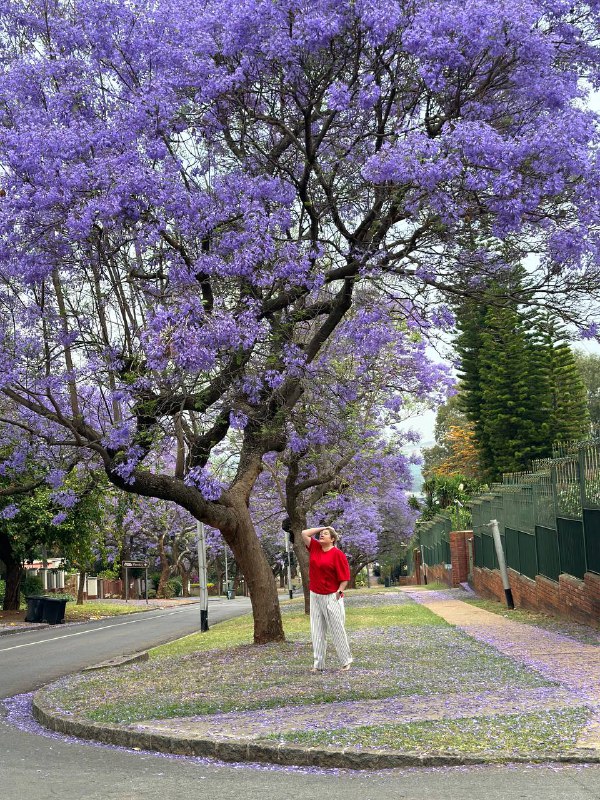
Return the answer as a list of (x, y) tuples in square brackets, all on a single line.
[(176, 586), (110, 574), (32, 585)]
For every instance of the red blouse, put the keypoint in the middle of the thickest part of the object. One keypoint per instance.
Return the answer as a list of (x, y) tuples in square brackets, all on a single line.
[(326, 568)]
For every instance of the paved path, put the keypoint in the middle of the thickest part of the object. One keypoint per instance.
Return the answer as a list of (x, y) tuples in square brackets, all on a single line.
[(574, 665)]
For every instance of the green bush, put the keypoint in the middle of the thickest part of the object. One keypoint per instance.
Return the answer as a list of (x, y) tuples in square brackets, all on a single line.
[(110, 574), (176, 586), (360, 580), (32, 585), (2, 590)]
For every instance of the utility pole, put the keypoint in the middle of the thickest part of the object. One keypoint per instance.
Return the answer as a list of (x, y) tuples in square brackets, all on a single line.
[(501, 563), (202, 578), (289, 565)]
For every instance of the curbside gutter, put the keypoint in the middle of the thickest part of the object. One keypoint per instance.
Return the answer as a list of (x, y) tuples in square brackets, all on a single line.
[(252, 750)]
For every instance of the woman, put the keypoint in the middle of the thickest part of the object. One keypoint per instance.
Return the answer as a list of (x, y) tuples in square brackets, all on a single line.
[(328, 576)]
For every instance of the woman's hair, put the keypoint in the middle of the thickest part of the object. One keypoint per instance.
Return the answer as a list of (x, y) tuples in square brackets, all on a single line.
[(334, 534)]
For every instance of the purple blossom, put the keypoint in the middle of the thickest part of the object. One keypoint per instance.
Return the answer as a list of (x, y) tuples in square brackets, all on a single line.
[(10, 511), (210, 487)]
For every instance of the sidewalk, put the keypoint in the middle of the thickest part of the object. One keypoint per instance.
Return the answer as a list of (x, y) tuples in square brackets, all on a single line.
[(572, 667)]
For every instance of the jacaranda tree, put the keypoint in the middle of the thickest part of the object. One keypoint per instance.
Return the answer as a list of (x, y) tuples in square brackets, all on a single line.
[(191, 197)]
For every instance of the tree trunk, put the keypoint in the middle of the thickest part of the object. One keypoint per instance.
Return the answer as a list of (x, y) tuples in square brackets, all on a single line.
[(12, 594), (252, 563), (124, 556), (80, 588), (298, 523), (232, 518), (301, 554), (165, 568), (13, 575)]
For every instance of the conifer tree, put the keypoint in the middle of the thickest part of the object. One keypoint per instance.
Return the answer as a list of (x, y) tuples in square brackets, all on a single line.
[(520, 386)]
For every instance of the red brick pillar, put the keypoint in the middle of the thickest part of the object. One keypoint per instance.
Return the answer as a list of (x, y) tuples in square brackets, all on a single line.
[(459, 556)]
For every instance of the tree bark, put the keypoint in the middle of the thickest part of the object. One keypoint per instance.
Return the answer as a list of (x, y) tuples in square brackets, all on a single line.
[(252, 563), (13, 574), (80, 588), (165, 568)]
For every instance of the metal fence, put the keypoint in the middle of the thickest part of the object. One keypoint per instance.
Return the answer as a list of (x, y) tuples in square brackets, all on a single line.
[(434, 540), (549, 518)]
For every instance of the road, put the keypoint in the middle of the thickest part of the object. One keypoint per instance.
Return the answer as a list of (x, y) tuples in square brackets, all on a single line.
[(29, 660), (48, 766)]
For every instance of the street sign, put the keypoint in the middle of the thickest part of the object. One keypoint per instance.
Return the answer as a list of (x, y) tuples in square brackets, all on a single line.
[(136, 564)]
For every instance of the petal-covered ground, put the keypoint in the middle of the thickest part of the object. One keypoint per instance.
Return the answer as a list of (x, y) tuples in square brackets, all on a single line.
[(417, 683)]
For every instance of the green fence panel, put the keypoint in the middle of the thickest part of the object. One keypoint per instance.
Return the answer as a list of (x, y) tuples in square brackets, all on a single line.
[(512, 549), (590, 474), (571, 546), (544, 510), (528, 554), (547, 552), (591, 524), (489, 557), (567, 488), (446, 552), (478, 548)]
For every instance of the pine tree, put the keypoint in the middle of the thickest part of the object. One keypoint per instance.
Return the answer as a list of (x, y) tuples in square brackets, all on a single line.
[(520, 386)]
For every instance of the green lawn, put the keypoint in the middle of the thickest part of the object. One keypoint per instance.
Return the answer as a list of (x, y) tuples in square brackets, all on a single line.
[(535, 734), (399, 648)]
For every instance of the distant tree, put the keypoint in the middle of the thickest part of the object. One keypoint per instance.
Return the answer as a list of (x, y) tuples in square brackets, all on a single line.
[(455, 449)]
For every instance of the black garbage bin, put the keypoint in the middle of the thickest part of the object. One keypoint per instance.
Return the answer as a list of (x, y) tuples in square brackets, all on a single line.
[(35, 608), (230, 594), (54, 610)]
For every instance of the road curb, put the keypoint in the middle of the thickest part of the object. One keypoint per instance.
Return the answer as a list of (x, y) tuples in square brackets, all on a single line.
[(118, 661), (39, 626), (252, 750)]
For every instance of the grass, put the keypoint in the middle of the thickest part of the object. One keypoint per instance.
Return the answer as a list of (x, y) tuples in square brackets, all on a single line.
[(240, 631), (400, 648), (579, 632), (528, 735), (96, 609)]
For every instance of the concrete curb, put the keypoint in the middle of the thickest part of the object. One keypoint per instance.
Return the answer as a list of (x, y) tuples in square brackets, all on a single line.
[(252, 750), (6, 631), (119, 661)]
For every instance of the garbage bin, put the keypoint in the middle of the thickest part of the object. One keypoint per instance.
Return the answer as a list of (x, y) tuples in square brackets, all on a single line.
[(35, 608), (230, 594), (54, 610)]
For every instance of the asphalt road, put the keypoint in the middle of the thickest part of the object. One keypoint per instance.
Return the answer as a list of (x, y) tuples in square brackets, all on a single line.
[(48, 766), (30, 659)]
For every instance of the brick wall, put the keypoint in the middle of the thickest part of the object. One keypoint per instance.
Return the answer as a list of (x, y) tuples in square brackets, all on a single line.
[(439, 574), (569, 597), (457, 573)]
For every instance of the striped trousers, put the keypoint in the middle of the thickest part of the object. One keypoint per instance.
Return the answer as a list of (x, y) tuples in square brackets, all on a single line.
[(328, 613)]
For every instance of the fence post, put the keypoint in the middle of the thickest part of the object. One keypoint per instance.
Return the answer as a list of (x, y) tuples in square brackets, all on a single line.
[(556, 513), (582, 494)]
